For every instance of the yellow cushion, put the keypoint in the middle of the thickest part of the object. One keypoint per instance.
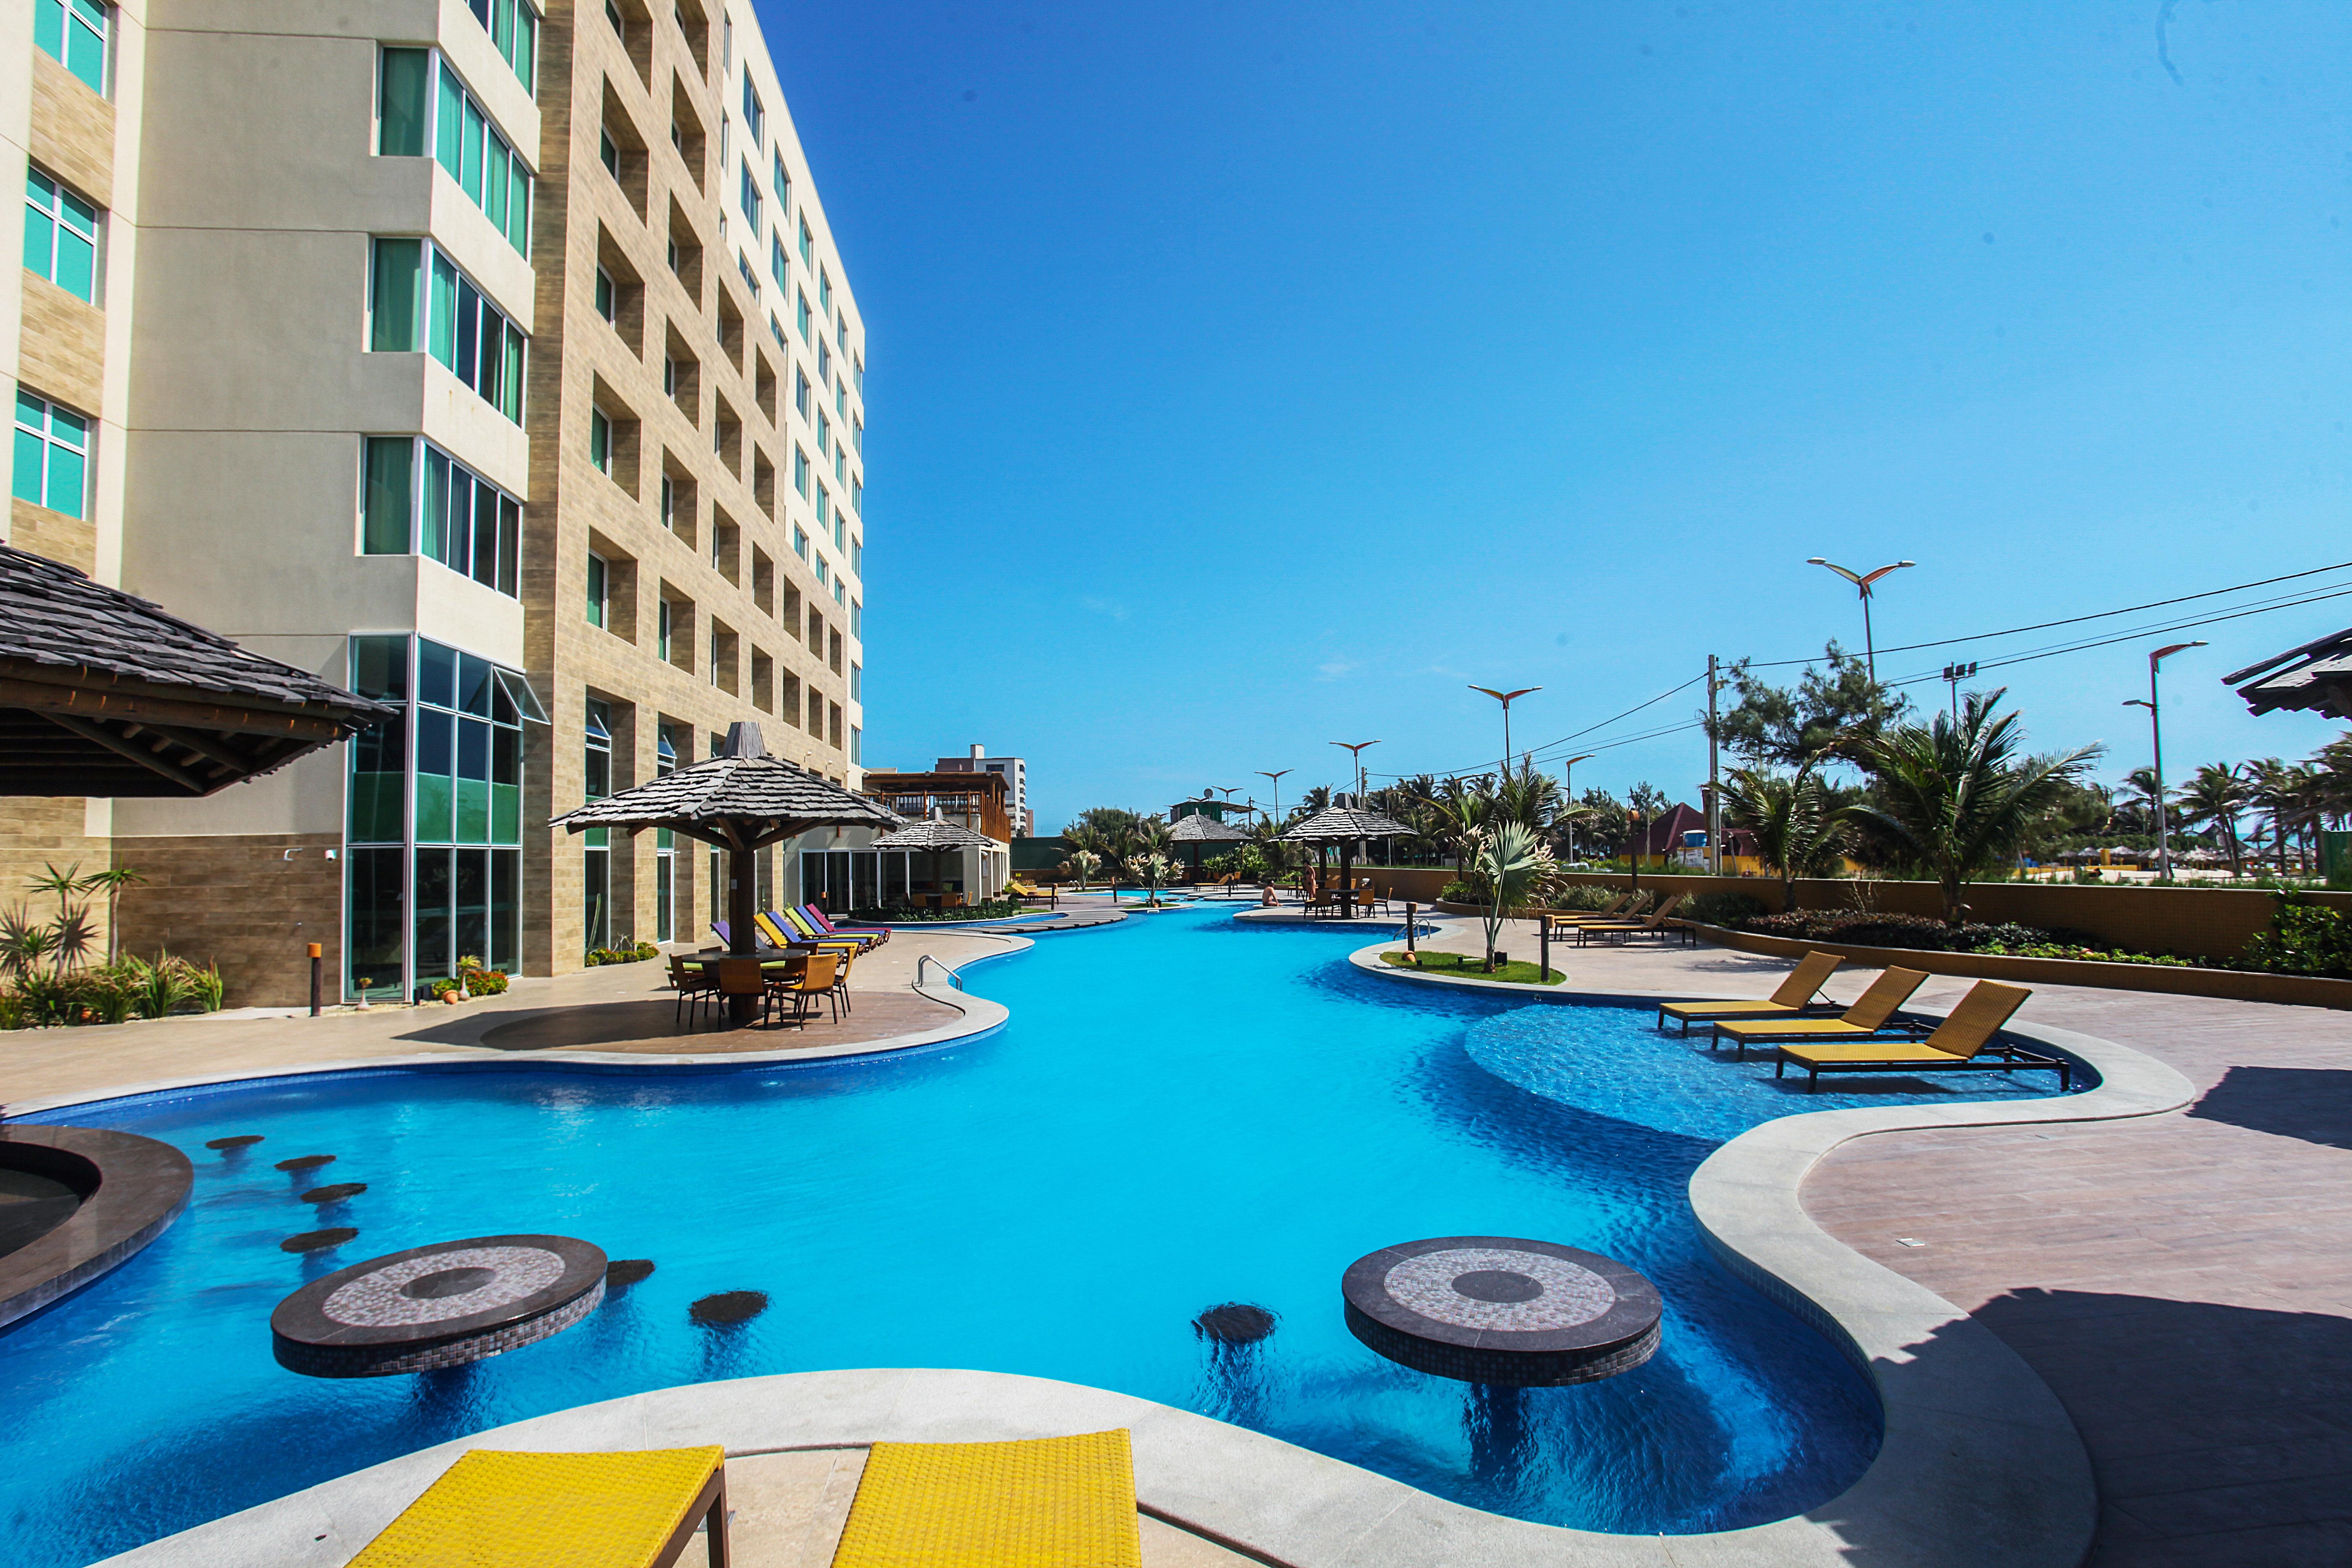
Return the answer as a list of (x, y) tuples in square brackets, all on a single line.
[(1050, 1503), (1879, 1051), (1765, 1029), (1719, 1009), (494, 1510)]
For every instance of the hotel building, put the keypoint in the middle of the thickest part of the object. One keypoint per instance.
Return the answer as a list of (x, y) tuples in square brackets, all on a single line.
[(492, 360)]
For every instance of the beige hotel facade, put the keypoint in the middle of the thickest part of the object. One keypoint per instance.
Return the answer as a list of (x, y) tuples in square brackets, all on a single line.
[(489, 359)]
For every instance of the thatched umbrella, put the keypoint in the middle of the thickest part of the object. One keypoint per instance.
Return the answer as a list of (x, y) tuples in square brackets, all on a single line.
[(742, 800), (936, 838), (1198, 829), (1347, 827)]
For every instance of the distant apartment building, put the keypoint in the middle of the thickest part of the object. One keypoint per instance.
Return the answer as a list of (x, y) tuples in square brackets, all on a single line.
[(489, 360), (1015, 773)]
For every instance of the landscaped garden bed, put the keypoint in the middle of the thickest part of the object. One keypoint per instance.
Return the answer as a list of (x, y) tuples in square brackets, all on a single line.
[(1471, 966)]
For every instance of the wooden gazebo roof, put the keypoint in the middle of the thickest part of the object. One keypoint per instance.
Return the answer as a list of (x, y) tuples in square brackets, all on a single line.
[(743, 799), (1346, 823), (922, 837), (105, 694), (1200, 829)]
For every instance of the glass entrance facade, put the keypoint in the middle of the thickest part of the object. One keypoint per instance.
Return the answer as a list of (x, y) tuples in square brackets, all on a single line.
[(433, 836)]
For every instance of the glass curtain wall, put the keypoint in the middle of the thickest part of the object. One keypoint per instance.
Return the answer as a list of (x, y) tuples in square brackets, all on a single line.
[(435, 831)]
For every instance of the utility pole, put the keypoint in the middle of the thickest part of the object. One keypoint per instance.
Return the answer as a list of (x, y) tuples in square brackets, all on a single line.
[(1714, 780), (2156, 734)]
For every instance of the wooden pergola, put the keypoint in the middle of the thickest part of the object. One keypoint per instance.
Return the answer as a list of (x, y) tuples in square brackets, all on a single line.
[(1346, 827), (105, 694)]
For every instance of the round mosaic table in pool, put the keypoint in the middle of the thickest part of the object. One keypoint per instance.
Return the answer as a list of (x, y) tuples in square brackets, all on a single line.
[(437, 1306), (1502, 1310)]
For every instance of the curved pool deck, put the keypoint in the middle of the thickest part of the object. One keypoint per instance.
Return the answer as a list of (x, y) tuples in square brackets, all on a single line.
[(1978, 1463)]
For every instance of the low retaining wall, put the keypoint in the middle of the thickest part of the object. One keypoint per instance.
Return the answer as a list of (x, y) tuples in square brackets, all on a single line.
[(2234, 985)]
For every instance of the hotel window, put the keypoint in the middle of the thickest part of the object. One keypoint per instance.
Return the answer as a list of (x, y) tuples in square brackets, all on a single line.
[(599, 590), (600, 442), (858, 436), (841, 333), (856, 746), (841, 464), (841, 400), (857, 495), (755, 117), (823, 363), (808, 246), (803, 320), (777, 264), (800, 472), (610, 156), (748, 197), (663, 622), (413, 284), (607, 296), (824, 291), (52, 455), (840, 590), (783, 196), (801, 393), (824, 505), (513, 26), (664, 847), (60, 237), (458, 133), (455, 516), (856, 619), (824, 572), (858, 683), (75, 33), (858, 557), (824, 433), (612, 15), (750, 274), (669, 503), (596, 783), (840, 529), (857, 374), (800, 542), (776, 330)]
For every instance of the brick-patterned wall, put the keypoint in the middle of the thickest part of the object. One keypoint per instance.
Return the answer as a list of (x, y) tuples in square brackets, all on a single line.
[(243, 902), (52, 534), (63, 352), (72, 129), (43, 831)]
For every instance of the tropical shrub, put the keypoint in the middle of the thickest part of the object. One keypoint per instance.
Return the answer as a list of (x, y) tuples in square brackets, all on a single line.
[(1458, 893), (1707, 909), (1594, 896), (485, 982), (2304, 937)]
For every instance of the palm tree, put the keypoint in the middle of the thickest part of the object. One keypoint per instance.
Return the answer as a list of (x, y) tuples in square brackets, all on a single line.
[(2215, 794), (2271, 786), (1798, 831), (1959, 797), (1517, 867), (1460, 810), (1085, 863), (112, 881)]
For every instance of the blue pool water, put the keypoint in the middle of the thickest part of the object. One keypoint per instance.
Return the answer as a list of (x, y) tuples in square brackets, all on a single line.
[(1183, 1112)]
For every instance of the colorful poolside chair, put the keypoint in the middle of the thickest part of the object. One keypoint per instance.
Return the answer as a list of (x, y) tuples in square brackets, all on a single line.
[(628, 1509), (1963, 1042), (1873, 1013), (1047, 1502), (874, 936), (1794, 999)]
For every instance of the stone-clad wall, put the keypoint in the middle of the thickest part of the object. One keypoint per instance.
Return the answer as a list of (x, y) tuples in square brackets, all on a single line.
[(39, 832), (241, 901)]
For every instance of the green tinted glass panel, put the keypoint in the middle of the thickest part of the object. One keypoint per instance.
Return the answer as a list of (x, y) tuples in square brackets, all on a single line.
[(444, 311), (377, 800), (469, 164), (597, 837), (398, 263), (86, 44), (390, 464), (518, 211), (448, 140), (473, 811), (404, 103), (434, 792), (49, 28), (506, 814)]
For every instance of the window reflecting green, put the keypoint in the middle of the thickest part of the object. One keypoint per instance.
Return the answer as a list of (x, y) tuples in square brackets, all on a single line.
[(404, 103)]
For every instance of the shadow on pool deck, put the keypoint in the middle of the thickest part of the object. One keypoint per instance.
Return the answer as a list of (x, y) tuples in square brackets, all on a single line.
[(2314, 1104), (651, 1027)]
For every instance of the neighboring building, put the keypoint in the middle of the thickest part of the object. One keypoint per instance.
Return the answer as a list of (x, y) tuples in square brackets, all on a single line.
[(841, 870), (1015, 773), (496, 363)]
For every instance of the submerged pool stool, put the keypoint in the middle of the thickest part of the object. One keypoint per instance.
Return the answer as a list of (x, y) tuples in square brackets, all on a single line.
[(1500, 1309), (629, 1509), (437, 1306)]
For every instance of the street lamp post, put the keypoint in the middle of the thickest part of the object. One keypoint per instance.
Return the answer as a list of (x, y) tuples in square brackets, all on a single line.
[(1276, 777), (1861, 581), (2156, 736), (1568, 791), (1357, 747), (1505, 699)]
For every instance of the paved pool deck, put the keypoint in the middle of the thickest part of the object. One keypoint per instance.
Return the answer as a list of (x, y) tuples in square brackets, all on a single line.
[(2182, 1282)]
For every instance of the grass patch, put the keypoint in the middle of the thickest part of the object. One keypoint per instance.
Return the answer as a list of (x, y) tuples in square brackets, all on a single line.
[(1468, 965)]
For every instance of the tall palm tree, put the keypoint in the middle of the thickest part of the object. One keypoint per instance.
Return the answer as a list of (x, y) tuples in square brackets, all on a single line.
[(1462, 809), (1959, 797), (2271, 787), (2215, 794), (1798, 831)]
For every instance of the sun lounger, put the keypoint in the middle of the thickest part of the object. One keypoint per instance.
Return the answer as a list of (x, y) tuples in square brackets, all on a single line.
[(1043, 1501), (1873, 1013), (1029, 895), (811, 919), (1655, 925), (777, 930), (1961, 1043), (1794, 999), (1618, 909), (581, 1510)]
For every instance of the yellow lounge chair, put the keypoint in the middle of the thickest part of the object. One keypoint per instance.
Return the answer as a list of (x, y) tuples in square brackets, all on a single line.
[(562, 1510), (1961, 1043), (1616, 910), (782, 935), (1653, 924), (1048, 1502), (1868, 1015), (1794, 999)]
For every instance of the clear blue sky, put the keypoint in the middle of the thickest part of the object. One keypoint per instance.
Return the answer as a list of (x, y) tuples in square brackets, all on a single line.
[(1246, 377)]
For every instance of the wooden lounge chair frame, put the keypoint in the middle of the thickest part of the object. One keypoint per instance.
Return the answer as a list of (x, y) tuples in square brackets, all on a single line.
[(1874, 1012), (1966, 1041), (1653, 924), (1796, 996), (1621, 908)]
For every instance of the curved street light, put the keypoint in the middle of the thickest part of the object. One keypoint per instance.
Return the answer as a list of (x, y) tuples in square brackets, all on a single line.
[(1276, 777), (2156, 734), (1357, 747), (1861, 581), (1568, 794), (1505, 699)]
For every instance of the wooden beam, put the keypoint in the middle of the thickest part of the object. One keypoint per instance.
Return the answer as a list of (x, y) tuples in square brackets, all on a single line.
[(203, 746), (103, 700), (114, 743)]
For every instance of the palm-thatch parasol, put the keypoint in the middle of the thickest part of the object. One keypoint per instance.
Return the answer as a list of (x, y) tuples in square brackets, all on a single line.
[(1198, 829), (1347, 827), (742, 800), (935, 836)]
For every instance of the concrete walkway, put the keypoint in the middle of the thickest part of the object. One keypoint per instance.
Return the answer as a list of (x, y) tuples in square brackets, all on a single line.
[(2182, 1282)]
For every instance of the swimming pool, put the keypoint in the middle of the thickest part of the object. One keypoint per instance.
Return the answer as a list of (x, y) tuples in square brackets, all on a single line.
[(1183, 1112)]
